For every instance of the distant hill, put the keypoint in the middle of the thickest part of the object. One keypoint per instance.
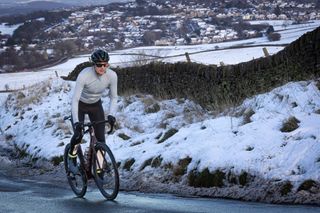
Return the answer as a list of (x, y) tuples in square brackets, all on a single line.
[(16, 7), (24, 8)]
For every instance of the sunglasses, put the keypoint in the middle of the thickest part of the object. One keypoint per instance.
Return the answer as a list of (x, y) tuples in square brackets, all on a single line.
[(102, 65)]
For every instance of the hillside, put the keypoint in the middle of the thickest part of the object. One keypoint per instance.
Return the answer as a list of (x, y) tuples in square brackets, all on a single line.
[(245, 151), (28, 7)]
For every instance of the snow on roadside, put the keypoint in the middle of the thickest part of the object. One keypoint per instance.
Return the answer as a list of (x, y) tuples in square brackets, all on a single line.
[(225, 142)]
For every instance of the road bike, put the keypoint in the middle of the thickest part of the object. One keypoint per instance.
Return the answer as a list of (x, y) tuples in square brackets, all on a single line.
[(97, 162)]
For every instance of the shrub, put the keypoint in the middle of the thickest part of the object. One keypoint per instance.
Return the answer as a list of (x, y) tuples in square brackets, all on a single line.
[(181, 168), (8, 137), (249, 148), (247, 116), (168, 166), (206, 179), (153, 108), (294, 104), (21, 152), (286, 188), (158, 136), (60, 144), (168, 134), (156, 162), (243, 178), (56, 160), (124, 136), (290, 124), (48, 124), (232, 178), (136, 143), (34, 118), (146, 163), (127, 165), (20, 95), (57, 115), (306, 185)]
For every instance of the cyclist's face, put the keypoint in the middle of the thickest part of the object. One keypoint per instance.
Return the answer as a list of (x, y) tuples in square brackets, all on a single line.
[(101, 67)]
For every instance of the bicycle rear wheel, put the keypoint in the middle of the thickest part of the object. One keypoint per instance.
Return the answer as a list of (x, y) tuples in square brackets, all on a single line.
[(105, 171), (76, 175)]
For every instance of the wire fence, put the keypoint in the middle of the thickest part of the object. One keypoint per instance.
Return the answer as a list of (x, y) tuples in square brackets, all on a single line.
[(152, 58), (143, 58)]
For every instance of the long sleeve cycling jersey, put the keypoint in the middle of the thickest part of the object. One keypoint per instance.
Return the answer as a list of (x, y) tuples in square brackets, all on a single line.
[(90, 87)]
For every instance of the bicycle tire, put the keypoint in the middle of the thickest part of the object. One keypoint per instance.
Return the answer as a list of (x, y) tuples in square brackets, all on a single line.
[(77, 182), (108, 179)]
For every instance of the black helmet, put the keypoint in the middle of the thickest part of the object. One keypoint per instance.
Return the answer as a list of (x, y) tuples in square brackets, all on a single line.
[(99, 56)]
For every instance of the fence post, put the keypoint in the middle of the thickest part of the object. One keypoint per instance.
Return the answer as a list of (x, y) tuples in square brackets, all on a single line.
[(188, 57), (265, 51), (56, 74)]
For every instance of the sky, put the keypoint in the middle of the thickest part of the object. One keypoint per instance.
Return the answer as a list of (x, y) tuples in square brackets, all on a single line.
[(222, 142)]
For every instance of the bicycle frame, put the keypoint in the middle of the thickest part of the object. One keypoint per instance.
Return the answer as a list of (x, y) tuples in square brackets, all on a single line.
[(93, 142), (92, 150), (97, 162)]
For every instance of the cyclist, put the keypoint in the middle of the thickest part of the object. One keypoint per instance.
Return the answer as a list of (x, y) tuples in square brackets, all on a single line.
[(90, 85)]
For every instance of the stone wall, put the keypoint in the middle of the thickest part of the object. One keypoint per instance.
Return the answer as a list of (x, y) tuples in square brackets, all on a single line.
[(218, 87)]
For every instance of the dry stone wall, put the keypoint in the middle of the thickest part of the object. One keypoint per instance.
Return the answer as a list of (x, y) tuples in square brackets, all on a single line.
[(217, 87)]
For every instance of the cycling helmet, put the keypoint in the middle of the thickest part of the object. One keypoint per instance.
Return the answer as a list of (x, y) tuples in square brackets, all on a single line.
[(99, 56)]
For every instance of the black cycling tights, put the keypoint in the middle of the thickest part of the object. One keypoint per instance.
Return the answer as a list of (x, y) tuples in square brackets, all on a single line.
[(95, 113)]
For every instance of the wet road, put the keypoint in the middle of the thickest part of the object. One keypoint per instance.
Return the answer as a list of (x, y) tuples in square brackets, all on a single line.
[(30, 196)]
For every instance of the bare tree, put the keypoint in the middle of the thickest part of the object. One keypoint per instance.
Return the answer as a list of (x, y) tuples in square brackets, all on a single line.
[(150, 37), (67, 47), (274, 36)]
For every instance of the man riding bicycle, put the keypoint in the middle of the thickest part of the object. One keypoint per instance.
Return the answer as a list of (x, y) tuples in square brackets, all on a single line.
[(90, 85)]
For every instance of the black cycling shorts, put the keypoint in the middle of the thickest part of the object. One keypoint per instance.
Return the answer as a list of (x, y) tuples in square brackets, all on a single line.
[(96, 113)]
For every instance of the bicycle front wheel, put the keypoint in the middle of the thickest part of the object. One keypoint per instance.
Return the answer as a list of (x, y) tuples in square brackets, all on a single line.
[(105, 171), (75, 173)]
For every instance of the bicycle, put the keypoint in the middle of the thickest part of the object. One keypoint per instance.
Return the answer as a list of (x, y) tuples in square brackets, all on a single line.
[(98, 162)]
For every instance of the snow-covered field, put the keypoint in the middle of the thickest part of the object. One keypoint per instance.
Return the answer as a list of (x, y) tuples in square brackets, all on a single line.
[(224, 142)]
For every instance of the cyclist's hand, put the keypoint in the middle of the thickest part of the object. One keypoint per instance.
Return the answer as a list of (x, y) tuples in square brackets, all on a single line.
[(78, 129), (111, 120)]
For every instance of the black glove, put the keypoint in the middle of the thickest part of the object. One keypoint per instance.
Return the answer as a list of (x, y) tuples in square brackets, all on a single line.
[(111, 120), (78, 130)]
